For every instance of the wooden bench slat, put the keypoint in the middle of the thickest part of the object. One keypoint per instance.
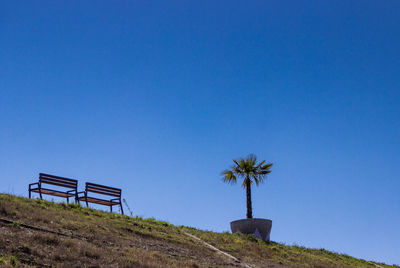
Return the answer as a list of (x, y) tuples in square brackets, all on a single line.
[(103, 192), (59, 184), (59, 180), (56, 177), (100, 192), (102, 186)]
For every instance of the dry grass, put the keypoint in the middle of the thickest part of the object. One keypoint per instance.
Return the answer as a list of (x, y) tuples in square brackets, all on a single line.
[(83, 237)]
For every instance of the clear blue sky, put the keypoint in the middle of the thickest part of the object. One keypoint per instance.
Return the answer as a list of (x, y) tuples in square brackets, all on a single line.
[(157, 97)]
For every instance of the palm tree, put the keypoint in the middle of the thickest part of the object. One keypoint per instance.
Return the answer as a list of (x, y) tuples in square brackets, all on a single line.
[(251, 172)]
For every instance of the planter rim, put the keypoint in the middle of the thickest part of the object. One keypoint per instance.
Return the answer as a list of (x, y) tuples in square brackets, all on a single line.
[(258, 219)]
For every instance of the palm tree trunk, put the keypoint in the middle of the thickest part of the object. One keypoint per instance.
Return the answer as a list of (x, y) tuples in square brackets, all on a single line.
[(248, 195)]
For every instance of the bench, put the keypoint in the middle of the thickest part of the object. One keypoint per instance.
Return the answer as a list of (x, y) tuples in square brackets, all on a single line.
[(57, 181), (103, 190)]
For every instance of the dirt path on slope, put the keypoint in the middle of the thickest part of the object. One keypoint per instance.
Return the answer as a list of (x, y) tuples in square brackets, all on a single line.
[(377, 265), (232, 258)]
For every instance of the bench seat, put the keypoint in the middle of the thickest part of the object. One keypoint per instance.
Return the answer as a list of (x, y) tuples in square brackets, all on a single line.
[(98, 201), (53, 192)]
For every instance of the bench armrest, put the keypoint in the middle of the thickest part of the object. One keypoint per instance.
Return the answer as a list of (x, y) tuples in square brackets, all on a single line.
[(33, 184), (115, 199), (71, 191), (82, 192)]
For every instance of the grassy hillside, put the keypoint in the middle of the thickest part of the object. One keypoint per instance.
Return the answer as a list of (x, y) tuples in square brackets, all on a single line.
[(35, 233)]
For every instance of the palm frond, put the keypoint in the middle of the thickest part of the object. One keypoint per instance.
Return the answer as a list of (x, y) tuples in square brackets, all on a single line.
[(242, 164), (259, 165), (267, 166), (251, 160), (228, 176)]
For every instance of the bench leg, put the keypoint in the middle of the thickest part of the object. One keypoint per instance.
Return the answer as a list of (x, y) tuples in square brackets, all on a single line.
[(122, 210), (110, 208), (29, 190), (67, 200), (87, 204)]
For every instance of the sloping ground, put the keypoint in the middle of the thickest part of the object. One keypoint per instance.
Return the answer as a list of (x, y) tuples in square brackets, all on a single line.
[(35, 233)]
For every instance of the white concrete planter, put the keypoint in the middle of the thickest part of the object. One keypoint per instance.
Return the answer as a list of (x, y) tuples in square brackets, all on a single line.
[(261, 228)]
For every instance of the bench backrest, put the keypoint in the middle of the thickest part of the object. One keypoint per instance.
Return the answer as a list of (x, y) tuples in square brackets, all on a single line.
[(58, 181), (101, 189)]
